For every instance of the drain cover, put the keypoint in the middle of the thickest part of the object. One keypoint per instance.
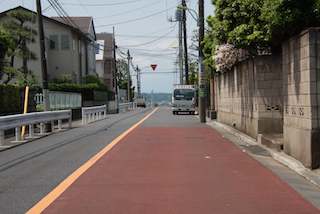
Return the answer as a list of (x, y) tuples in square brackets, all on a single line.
[(257, 150)]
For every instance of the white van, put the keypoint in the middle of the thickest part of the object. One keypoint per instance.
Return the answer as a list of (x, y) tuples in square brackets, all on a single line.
[(140, 100)]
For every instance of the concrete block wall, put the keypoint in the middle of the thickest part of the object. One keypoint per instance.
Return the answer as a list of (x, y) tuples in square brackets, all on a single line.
[(278, 93), (251, 96), (301, 86)]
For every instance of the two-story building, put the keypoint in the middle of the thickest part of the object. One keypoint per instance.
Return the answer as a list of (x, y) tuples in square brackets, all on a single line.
[(69, 45)]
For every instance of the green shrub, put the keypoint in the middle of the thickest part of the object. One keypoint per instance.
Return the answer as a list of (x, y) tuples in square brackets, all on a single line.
[(9, 98), (92, 79), (77, 88)]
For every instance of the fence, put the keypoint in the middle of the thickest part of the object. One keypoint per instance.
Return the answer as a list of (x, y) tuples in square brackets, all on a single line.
[(18, 120), (61, 100), (92, 113), (127, 106)]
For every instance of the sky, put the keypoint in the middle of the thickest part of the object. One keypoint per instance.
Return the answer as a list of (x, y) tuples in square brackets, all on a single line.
[(147, 28)]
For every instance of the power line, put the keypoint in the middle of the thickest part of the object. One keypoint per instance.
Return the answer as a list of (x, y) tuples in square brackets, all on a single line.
[(152, 40), (128, 11), (160, 72), (62, 13), (133, 20), (99, 5)]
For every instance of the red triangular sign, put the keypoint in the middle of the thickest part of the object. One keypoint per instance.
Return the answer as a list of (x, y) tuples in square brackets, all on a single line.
[(153, 67)]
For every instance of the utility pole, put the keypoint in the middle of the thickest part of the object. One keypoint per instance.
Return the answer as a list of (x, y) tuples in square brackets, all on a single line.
[(152, 98), (138, 80), (202, 95), (128, 78), (116, 70), (185, 42), (179, 19), (180, 53), (45, 85)]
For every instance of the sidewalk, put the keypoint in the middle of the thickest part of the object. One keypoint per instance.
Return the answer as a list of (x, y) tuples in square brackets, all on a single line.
[(311, 175)]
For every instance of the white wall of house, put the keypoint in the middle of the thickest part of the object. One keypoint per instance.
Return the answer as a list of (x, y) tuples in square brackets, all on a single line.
[(99, 47), (65, 51)]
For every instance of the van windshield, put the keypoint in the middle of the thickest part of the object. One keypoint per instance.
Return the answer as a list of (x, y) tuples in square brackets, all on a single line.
[(183, 94)]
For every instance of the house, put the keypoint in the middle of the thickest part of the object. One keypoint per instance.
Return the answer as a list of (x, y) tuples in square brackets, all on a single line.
[(69, 45), (105, 60)]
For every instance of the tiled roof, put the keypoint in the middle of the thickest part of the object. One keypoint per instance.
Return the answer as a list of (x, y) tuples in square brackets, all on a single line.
[(82, 23)]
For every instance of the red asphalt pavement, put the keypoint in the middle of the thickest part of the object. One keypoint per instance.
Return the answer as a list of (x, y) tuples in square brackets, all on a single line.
[(178, 170)]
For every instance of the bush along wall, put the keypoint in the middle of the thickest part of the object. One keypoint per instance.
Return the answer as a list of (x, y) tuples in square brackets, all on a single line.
[(90, 91), (9, 99)]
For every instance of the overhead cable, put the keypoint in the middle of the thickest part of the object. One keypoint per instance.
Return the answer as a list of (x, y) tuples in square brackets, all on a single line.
[(152, 40), (133, 20), (99, 5), (130, 11)]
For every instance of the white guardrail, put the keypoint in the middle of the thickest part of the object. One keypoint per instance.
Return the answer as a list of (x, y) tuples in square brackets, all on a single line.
[(127, 106), (18, 120), (93, 113)]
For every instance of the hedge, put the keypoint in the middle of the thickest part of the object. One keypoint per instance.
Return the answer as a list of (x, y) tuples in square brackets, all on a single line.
[(9, 98), (78, 87)]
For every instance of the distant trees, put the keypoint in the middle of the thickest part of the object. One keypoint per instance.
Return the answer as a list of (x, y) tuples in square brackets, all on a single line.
[(20, 35)]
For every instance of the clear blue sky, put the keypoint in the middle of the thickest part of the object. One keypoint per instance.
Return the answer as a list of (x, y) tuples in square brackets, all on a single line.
[(141, 26)]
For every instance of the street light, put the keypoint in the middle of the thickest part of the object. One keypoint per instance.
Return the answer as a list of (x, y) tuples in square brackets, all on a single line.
[(202, 95), (186, 8)]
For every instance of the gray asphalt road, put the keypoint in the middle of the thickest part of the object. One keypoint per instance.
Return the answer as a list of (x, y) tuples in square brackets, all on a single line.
[(30, 171)]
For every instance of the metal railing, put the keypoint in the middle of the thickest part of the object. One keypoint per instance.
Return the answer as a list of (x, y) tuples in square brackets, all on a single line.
[(127, 106), (93, 113), (18, 120)]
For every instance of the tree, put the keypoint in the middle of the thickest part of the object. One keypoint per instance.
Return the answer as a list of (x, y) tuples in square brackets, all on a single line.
[(93, 79), (237, 22), (261, 25), (122, 70), (5, 42), (286, 18), (20, 35), (208, 51), (258, 26)]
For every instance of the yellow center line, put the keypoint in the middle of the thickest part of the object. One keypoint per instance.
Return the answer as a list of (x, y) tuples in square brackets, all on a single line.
[(54, 194)]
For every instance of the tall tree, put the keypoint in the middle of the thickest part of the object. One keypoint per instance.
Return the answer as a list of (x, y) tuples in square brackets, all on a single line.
[(21, 35), (258, 26), (122, 70), (5, 42)]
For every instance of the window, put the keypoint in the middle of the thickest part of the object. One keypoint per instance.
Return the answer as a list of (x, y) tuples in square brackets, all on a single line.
[(65, 42), (97, 48), (54, 42), (74, 44)]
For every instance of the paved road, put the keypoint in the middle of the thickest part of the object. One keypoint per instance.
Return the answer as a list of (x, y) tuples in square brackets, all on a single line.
[(164, 164)]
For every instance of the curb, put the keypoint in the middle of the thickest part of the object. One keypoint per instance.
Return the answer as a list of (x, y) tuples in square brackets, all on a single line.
[(281, 157)]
